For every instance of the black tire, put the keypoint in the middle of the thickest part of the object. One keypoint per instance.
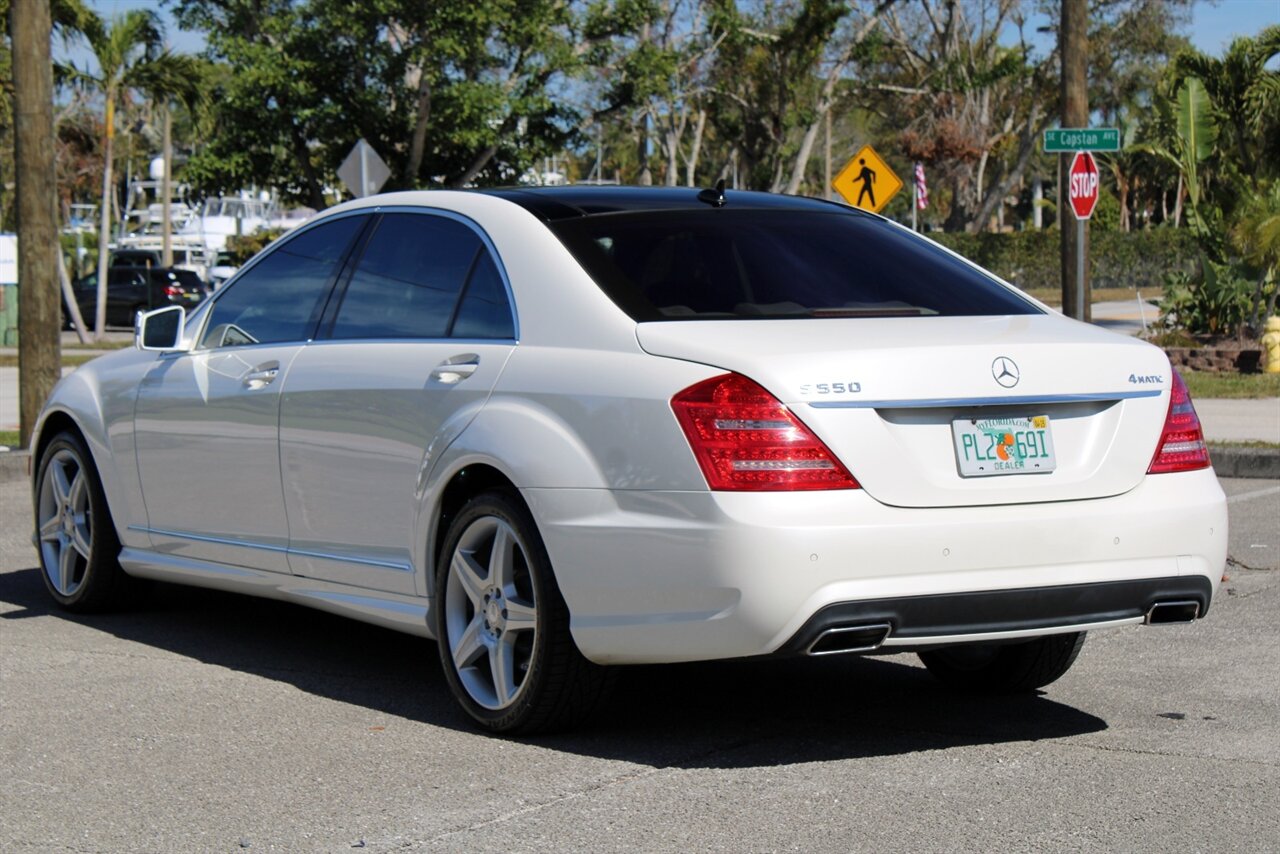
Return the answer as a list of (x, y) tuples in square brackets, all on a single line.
[(1015, 668), (89, 578), (556, 686)]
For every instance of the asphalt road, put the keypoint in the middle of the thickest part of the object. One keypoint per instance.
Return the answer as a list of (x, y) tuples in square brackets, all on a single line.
[(212, 722)]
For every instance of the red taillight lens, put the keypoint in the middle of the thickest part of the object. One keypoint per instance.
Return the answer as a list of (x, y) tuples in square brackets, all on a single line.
[(1181, 446), (746, 440), (173, 290)]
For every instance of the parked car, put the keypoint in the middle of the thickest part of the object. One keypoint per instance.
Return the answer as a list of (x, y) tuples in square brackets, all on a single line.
[(568, 428), (134, 289)]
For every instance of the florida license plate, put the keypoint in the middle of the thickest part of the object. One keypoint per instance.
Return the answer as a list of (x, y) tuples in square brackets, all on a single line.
[(989, 446)]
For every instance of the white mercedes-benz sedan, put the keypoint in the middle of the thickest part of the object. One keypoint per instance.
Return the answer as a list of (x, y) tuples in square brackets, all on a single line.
[(561, 429)]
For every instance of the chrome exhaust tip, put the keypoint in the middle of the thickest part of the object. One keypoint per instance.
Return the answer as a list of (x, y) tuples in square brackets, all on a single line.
[(1183, 611), (864, 638)]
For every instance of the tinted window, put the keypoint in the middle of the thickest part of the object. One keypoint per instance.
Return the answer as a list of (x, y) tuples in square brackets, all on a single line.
[(408, 279), (485, 312), (771, 263), (276, 299)]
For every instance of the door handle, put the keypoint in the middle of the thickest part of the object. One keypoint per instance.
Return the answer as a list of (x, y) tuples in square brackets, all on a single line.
[(456, 368), (262, 376)]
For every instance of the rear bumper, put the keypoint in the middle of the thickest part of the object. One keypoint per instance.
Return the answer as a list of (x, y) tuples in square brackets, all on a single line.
[(686, 576), (916, 622)]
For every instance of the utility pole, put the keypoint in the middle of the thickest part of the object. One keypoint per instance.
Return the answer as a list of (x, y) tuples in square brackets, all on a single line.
[(1073, 45), (39, 323)]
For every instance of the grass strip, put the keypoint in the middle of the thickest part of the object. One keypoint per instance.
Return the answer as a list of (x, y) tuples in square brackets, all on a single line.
[(68, 361), (1232, 386)]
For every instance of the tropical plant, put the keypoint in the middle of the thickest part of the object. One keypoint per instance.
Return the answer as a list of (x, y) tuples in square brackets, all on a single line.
[(1215, 300), (130, 57), (1245, 93), (1256, 236)]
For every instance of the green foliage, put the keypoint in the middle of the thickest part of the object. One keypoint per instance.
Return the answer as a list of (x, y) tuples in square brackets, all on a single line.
[(240, 248), (1213, 300), (449, 94), (1030, 259)]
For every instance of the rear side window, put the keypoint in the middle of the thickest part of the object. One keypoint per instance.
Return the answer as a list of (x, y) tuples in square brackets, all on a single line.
[(278, 299), (423, 276), (484, 311), (755, 264)]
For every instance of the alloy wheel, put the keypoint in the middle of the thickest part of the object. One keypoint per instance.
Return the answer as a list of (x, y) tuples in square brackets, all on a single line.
[(64, 521), (491, 613)]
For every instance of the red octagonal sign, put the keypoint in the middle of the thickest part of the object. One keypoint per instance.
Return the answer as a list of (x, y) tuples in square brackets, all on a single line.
[(1082, 183)]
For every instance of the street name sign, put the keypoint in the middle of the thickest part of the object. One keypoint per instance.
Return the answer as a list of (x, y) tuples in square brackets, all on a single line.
[(866, 181), (364, 172), (1067, 140), (1082, 184)]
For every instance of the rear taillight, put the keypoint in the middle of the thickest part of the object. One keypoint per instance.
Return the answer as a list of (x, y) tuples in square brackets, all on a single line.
[(746, 440), (1181, 446), (173, 290)]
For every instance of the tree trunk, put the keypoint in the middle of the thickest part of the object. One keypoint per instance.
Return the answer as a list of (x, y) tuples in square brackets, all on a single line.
[(104, 227), (1073, 44), (645, 177), (1178, 196), (418, 144), (695, 150), (481, 160), (69, 300), (39, 341)]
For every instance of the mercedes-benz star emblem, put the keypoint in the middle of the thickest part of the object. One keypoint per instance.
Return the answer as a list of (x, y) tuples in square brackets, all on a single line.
[(1005, 370)]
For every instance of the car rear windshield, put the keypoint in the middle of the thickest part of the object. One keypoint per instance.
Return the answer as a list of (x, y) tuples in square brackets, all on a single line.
[(753, 264), (186, 279)]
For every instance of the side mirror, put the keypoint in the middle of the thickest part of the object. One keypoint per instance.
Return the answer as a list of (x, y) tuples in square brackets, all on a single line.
[(160, 329)]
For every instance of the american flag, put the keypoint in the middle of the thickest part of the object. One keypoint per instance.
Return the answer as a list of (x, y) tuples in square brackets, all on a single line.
[(922, 189)]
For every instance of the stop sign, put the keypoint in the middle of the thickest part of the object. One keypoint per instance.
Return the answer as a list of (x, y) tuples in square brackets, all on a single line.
[(1082, 184)]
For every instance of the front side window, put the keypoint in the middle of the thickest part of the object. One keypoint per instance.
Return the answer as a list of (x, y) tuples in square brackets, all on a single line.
[(420, 276), (278, 299)]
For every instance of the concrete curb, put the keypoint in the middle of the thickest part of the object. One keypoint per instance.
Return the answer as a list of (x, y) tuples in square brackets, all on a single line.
[(1229, 461), (13, 466)]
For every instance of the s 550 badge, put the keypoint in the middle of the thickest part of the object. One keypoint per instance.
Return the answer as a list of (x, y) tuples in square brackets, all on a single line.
[(847, 387)]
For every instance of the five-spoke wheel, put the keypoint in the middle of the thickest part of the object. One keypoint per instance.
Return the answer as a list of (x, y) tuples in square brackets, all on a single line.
[(491, 612), (77, 542), (502, 625), (65, 521)]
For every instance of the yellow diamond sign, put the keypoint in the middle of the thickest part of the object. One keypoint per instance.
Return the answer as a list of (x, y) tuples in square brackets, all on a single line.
[(866, 181)]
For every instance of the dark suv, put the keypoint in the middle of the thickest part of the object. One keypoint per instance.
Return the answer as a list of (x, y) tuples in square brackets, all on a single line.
[(134, 289)]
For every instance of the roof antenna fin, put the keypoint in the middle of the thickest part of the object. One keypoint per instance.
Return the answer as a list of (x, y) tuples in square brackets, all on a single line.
[(715, 197)]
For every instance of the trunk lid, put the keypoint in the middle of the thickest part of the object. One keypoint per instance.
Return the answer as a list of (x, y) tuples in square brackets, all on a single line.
[(883, 394)]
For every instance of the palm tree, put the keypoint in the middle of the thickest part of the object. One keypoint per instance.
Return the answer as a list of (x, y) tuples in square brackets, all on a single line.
[(131, 57), (1256, 236), (1243, 91)]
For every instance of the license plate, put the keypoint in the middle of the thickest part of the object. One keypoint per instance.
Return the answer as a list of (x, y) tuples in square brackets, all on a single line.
[(193, 296), (989, 446)]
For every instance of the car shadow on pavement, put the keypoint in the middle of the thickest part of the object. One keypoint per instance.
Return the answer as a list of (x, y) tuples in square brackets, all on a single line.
[(704, 715)]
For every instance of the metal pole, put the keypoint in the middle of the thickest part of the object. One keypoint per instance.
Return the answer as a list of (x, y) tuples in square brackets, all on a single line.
[(1080, 269), (364, 171), (915, 201), (827, 186)]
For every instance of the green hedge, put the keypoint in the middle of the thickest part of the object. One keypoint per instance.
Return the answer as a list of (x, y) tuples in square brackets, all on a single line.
[(1030, 259)]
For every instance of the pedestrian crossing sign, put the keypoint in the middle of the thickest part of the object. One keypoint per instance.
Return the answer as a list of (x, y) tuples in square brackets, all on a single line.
[(866, 181)]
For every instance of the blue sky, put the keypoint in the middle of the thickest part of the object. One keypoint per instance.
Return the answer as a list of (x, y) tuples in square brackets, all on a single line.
[(1213, 24)]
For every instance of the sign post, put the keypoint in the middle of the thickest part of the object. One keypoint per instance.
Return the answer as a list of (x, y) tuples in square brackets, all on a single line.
[(1082, 188)]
